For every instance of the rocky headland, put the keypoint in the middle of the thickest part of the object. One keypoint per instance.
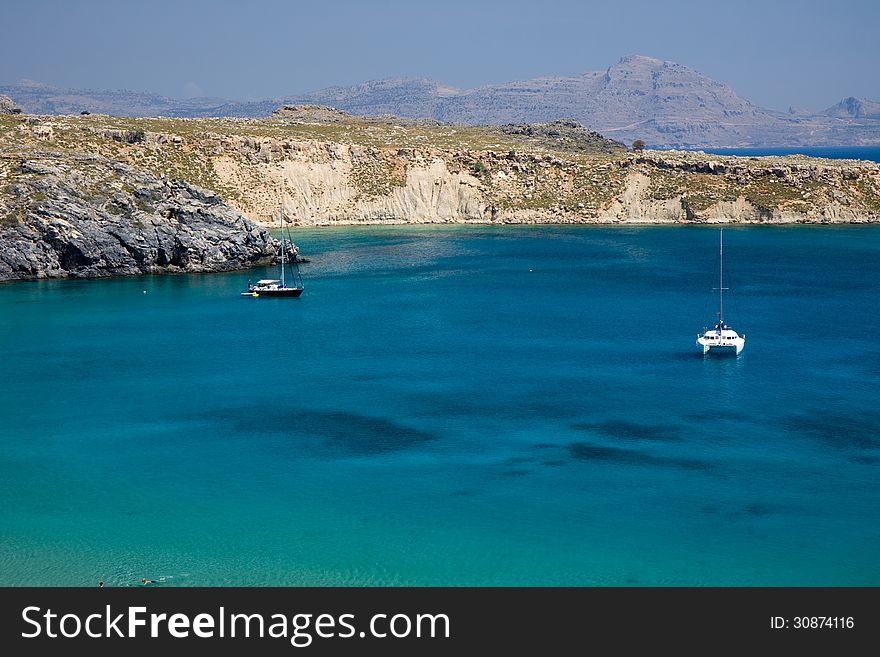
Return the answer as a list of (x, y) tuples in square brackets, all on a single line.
[(87, 216), (90, 195)]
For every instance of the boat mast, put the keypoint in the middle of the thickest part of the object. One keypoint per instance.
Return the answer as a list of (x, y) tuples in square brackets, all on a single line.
[(720, 280), (281, 224)]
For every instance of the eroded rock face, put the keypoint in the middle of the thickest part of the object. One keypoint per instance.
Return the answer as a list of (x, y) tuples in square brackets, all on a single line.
[(90, 217), (7, 106), (324, 183)]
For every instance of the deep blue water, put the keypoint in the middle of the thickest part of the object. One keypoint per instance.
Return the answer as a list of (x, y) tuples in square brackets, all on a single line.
[(871, 153), (453, 406)]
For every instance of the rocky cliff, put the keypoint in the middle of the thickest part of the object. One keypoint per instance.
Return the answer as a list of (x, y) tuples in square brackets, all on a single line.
[(97, 195), (86, 216)]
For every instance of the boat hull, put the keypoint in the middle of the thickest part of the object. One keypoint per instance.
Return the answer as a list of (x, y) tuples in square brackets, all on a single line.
[(726, 347), (286, 292)]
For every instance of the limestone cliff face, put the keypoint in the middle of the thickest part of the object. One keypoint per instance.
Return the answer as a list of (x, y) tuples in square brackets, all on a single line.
[(89, 217), (344, 184), (324, 183)]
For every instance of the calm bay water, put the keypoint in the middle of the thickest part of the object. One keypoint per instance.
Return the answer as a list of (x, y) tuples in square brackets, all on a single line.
[(870, 153), (453, 406)]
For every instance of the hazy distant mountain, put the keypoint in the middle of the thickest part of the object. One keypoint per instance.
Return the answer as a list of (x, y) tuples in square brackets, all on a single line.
[(856, 108), (407, 97), (37, 98), (663, 103)]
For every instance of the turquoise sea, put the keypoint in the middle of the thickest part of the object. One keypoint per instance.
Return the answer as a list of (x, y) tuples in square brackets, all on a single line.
[(453, 406)]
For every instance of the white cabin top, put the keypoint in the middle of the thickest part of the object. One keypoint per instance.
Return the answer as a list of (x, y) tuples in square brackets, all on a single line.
[(726, 332)]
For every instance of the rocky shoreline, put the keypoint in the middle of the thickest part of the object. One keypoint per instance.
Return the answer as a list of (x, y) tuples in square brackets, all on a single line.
[(112, 221)]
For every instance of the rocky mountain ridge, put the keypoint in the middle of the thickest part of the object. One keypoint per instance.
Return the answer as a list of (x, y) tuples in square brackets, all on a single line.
[(855, 108), (663, 103)]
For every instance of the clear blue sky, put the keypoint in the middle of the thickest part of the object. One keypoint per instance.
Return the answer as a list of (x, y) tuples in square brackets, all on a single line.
[(775, 53)]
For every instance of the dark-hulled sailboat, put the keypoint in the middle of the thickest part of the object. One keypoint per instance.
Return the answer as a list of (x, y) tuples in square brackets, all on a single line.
[(271, 287)]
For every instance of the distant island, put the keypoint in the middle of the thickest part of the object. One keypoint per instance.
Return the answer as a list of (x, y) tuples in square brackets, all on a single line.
[(663, 103), (95, 195)]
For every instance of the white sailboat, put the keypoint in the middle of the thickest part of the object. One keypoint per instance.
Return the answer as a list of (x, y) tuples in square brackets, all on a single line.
[(722, 337)]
